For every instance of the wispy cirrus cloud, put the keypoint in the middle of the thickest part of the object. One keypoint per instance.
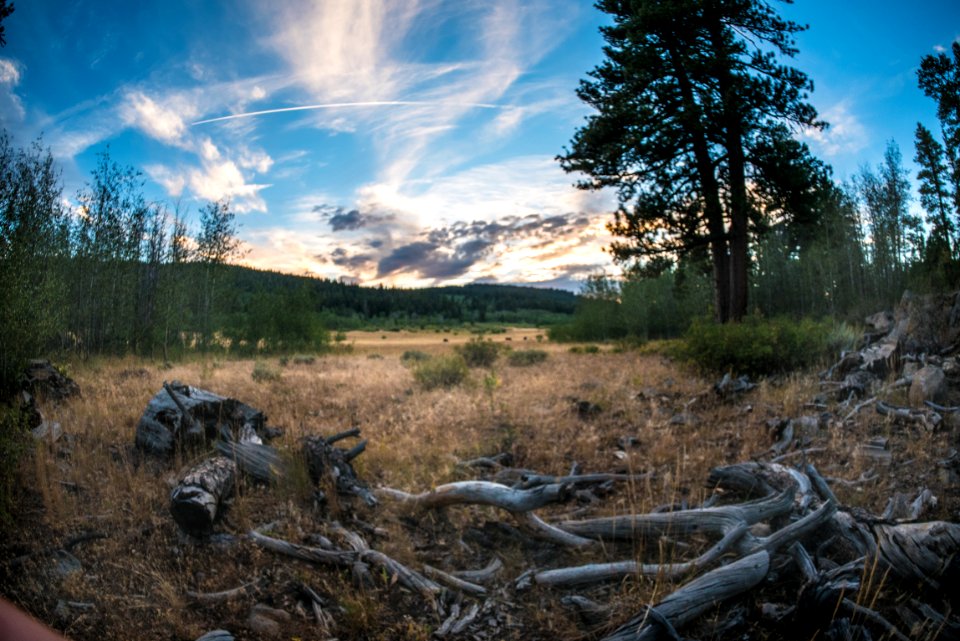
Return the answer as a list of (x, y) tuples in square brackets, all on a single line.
[(846, 134), (11, 106), (219, 173)]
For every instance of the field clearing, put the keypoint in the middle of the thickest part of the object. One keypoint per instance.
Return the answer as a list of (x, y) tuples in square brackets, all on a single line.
[(138, 574), (436, 340)]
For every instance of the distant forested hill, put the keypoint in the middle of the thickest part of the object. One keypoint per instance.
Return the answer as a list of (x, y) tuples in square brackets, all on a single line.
[(343, 305)]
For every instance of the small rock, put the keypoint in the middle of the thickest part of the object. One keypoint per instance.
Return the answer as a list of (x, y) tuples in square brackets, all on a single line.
[(929, 384), (64, 564), (263, 626)]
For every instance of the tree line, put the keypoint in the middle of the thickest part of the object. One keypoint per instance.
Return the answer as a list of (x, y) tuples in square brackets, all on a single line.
[(720, 207), (113, 273)]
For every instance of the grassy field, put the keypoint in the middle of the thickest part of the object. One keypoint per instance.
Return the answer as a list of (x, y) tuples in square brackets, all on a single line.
[(138, 573)]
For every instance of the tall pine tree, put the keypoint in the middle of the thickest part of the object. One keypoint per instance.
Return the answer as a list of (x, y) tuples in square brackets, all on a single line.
[(689, 96)]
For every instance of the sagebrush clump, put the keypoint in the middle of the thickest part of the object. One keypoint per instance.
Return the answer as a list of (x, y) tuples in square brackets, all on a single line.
[(479, 353), (441, 372), (526, 357), (262, 372)]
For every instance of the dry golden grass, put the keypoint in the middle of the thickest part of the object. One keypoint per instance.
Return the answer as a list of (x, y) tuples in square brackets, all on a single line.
[(138, 575)]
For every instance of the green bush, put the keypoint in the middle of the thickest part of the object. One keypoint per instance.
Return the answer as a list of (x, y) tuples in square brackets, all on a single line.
[(441, 371), (14, 443), (756, 346), (413, 356), (479, 353), (262, 372), (526, 357)]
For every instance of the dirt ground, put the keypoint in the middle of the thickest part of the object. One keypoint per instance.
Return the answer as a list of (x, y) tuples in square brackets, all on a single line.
[(93, 552)]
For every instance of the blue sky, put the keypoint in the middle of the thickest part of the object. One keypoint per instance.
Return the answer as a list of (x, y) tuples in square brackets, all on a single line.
[(408, 142)]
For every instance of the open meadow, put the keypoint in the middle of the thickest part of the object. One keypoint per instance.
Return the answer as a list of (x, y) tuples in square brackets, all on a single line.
[(130, 573)]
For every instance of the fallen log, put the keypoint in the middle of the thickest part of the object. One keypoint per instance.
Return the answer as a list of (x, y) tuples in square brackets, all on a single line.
[(347, 558), (696, 597), (481, 493), (197, 502), (210, 598), (713, 520), (180, 415), (599, 572), (482, 575), (922, 552)]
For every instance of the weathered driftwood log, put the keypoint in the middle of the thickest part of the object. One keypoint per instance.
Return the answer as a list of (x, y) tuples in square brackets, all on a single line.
[(179, 414), (597, 572), (529, 480), (347, 558), (714, 520), (456, 583), (696, 597), (482, 493), (332, 464), (482, 575), (197, 502), (922, 552), (210, 598)]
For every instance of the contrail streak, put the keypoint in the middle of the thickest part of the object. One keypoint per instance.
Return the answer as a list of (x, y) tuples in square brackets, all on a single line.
[(335, 105)]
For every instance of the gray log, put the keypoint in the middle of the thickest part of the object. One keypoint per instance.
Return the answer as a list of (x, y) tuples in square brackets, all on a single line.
[(696, 597), (197, 502), (714, 520), (482, 493)]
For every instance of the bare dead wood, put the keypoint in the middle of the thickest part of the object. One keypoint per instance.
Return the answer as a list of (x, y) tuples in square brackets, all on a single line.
[(331, 464), (347, 558), (599, 572), (528, 480), (922, 552), (480, 493), (795, 531), (337, 558), (458, 584), (717, 521), (197, 502), (209, 598), (698, 596), (180, 415), (888, 628), (820, 484), (543, 530), (482, 575), (339, 436)]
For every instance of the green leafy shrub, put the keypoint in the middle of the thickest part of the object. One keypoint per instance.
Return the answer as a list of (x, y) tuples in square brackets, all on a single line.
[(756, 346), (14, 443), (413, 356), (479, 353), (441, 372), (262, 372), (526, 357)]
